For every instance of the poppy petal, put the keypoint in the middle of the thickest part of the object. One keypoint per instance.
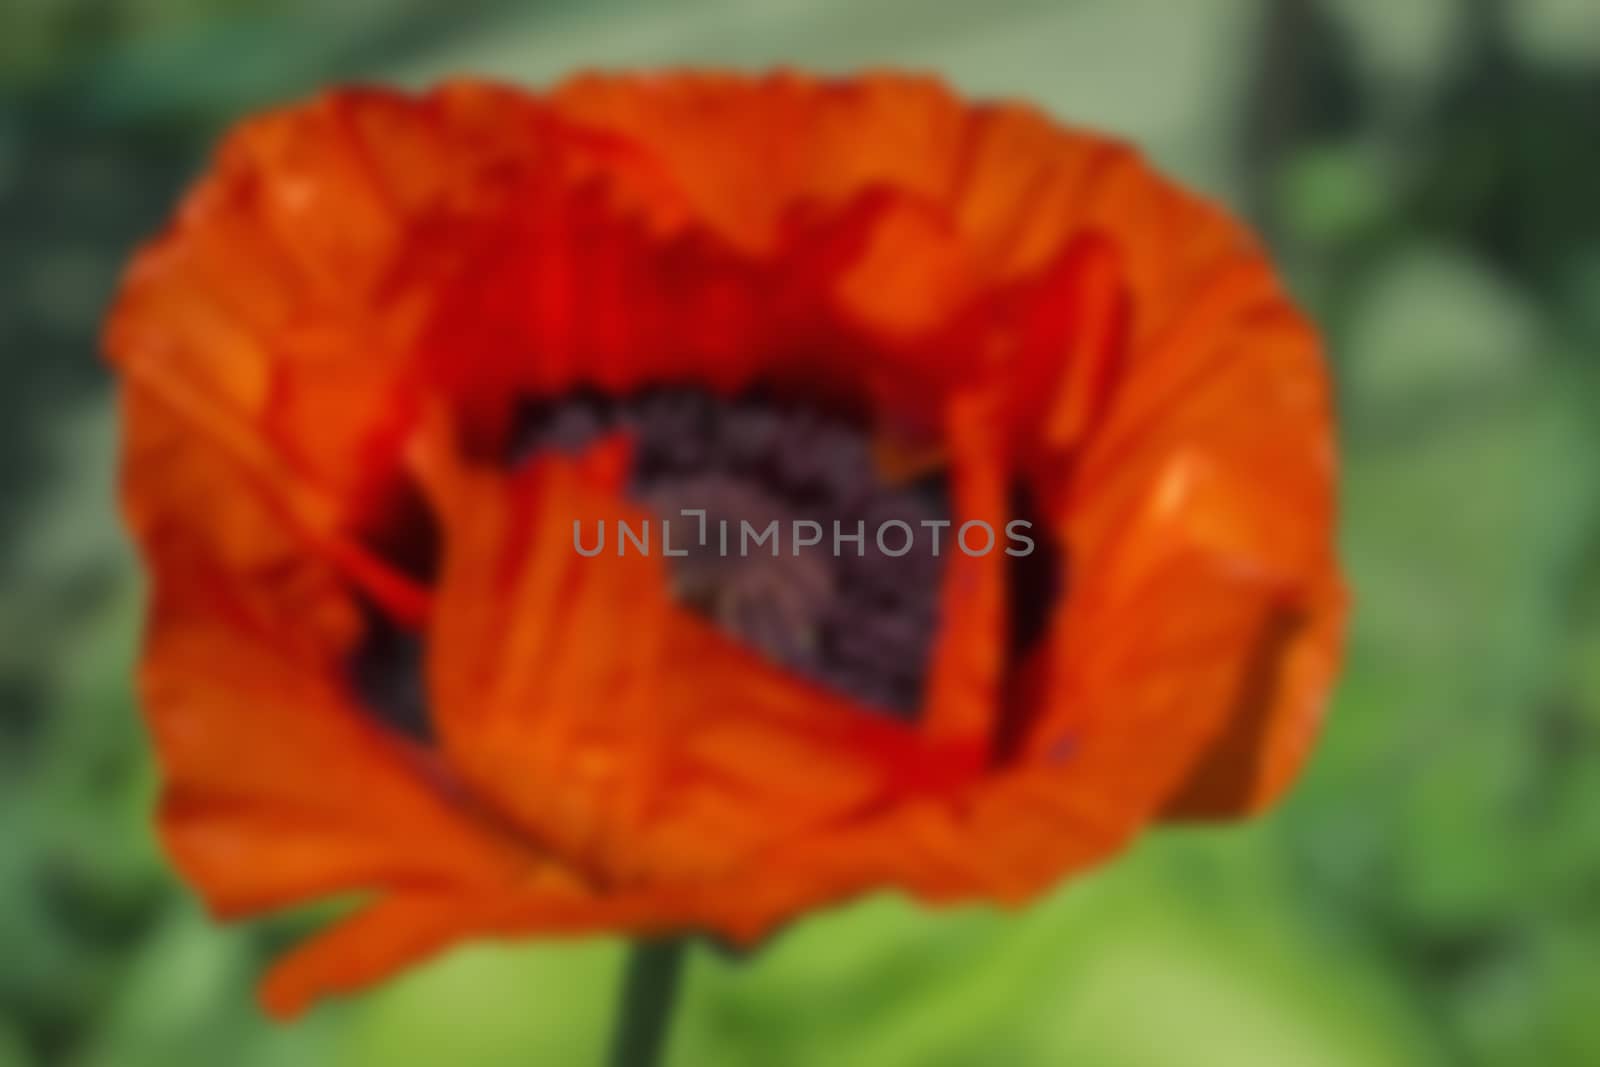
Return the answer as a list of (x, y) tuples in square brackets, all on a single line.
[(326, 800), (556, 688), (243, 655), (1126, 725), (403, 929)]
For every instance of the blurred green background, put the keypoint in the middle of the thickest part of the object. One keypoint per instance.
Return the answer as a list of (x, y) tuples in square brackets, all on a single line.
[(1428, 173)]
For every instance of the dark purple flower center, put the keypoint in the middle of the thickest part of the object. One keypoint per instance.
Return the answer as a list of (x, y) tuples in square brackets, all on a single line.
[(776, 524), (742, 484)]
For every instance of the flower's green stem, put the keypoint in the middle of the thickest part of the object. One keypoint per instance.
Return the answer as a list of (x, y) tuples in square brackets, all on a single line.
[(644, 1016)]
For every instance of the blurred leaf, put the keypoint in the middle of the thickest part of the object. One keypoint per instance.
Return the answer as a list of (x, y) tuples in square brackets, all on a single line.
[(1435, 325), (490, 1005), (1557, 31), (13, 1049), (1405, 48), (179, 1002), (1434, 811), (1333, 192)]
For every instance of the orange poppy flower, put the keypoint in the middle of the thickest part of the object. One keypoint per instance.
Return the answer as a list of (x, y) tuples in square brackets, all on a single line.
[(398, 359)]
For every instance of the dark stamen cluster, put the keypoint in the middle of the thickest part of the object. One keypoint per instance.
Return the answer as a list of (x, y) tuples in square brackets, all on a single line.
[(386, 672), (846, 614), (858, 620)]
